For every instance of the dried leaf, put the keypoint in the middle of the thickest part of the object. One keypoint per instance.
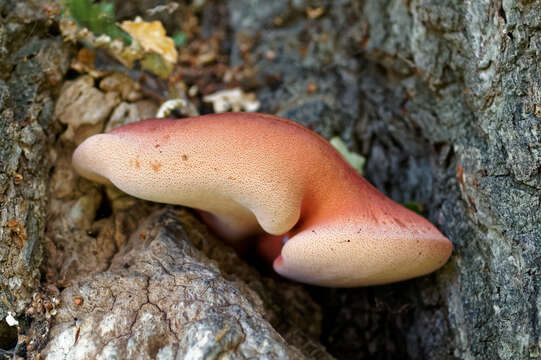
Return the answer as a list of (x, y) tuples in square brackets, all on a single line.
[(232, 99), (155, 63), (152, 37), (354, 159), (314, 13)]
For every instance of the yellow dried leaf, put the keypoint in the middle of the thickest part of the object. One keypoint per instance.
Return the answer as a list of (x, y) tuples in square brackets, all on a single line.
[(151, 36)]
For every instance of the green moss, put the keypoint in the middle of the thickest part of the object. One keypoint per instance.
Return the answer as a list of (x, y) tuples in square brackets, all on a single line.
[(99, 18), (180, 39), (416, 206)]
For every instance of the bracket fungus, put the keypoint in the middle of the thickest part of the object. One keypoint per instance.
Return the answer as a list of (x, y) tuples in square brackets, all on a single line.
[(315, 218)]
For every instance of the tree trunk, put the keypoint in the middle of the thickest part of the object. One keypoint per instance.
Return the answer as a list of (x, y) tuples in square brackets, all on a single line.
[(32, 65)]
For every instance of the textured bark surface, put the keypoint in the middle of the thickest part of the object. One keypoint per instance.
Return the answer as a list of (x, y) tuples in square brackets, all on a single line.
[(176, 292), (32, 64), (462, 79), (441, 97), (443, 100)]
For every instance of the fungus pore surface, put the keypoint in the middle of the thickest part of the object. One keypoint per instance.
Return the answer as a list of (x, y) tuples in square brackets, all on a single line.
[(257, 176)]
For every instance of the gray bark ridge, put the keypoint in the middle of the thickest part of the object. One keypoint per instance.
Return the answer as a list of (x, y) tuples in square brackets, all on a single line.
[(466, 74), (162, 297), (31, 66)]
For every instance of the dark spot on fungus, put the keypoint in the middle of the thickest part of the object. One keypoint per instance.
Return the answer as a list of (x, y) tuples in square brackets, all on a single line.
[(156, 166), (137, 164), (157, 146), (184, 157)]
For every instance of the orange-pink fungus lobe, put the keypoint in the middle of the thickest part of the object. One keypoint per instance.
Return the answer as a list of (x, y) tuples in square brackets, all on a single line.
[(317, 220)]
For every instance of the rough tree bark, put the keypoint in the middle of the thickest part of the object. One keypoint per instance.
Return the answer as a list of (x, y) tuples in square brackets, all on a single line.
[(32, 65), (454, 88), (443, 99)]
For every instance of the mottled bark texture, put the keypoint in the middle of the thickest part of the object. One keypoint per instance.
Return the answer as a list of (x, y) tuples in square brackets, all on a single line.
[(443, 99), (32, 64), (175, 292)]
